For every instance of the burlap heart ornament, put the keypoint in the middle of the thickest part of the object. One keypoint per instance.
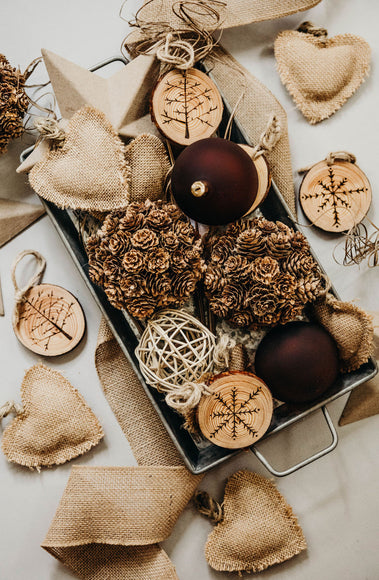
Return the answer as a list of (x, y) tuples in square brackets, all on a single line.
[(321, 73), (350, 327), (89, 170), (256, 529), (55, 425)]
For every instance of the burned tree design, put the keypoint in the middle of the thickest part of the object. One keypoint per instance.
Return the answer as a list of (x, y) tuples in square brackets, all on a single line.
[(186, 106), (233, 415), (50, 320), (333, 194)]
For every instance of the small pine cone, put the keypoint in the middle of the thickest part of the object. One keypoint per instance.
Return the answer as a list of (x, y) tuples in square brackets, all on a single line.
[(236, 228), (158, 220), (132, 286), (213, 279), (266, 227), (96, 273), (158, 261), (110, 225), (232, 295), (158, 286), (300, 243), (132, 221), (218, 307), (139, 207), (311, 287), (142, 306), (115, 296), (267, 319), (264, 270), (278, 245), (238, 267), (185, 233), (284, 229), (267, 304), (299, 264), (250, 243), (183, 284), (175, 212), (222, 249), (170, 242), (119, 243), (285, 286), (112, 267), (144, 239), (133, 261), (241, 318), (290, 312), (178, 261)]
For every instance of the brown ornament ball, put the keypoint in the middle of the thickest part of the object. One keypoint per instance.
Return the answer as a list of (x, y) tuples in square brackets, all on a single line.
[(297, 361), (214, 181)]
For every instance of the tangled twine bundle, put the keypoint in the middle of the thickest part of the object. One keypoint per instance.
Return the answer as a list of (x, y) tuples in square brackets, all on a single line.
[(174, 352), (13, 102)]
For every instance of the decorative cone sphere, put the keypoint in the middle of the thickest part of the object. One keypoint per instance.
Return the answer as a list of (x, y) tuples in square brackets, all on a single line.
[(214, 181)]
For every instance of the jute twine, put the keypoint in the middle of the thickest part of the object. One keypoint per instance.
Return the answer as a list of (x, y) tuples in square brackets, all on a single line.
[(321, 73), (20, 293), (250, 539), (53, 424)]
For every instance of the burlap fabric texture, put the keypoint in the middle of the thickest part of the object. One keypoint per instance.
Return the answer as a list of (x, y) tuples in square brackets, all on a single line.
[(56, 424), (110, 519), (321, 73), (258, 528), (15, 217), (232, 12), (91, 160), (350, 327), (364, 399), (254, 106)]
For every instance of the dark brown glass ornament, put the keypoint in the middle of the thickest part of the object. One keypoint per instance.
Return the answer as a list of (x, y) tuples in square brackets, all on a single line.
[(297, 361), (214, 181)]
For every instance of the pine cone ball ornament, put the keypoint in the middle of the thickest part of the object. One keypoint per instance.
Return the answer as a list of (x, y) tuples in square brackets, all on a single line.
[(146, 257), (13, 103), (260, 274)]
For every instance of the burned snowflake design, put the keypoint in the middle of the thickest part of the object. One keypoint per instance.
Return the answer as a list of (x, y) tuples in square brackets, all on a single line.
[(333, 194), (234, 414)]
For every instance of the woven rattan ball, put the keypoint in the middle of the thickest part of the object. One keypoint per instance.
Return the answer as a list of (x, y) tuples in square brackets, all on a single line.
[(175, 349)]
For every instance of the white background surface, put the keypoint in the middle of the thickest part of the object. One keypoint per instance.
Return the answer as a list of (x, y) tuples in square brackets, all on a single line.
[(336, 498)]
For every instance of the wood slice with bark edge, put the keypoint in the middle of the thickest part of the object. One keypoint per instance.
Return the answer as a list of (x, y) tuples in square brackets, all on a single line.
[(335, 197), (186, 106), (264, 176), (238, 413), (51, 320)]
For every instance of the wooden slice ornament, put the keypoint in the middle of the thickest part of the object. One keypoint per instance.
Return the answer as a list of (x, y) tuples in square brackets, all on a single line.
[(186, 106), (335, 194), (238, 412), (47, 319), (264, 176)]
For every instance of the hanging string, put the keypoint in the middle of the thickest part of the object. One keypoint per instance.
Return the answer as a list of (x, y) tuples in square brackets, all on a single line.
[(20, 293), (10, 407), (269, 137), (208, 507)]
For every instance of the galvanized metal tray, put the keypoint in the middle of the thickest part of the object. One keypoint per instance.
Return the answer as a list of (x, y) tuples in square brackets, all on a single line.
[(198, 453)]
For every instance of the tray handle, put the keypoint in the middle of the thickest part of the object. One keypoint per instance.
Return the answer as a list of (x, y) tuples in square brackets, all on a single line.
[(307, 461)]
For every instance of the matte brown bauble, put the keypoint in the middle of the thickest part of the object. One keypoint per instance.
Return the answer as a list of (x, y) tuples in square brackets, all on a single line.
[(214, 181), (297, 361)]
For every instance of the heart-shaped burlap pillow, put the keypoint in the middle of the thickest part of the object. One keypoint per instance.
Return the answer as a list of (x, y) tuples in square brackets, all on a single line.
[(89, 170), (258, 528), (321, 73), (56, 424), (351, 328)]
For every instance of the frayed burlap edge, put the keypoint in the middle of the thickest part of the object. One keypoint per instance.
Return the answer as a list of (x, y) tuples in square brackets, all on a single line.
[(350, 359), (97, 204), (61, 457), (317, 111), (297, 544)]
